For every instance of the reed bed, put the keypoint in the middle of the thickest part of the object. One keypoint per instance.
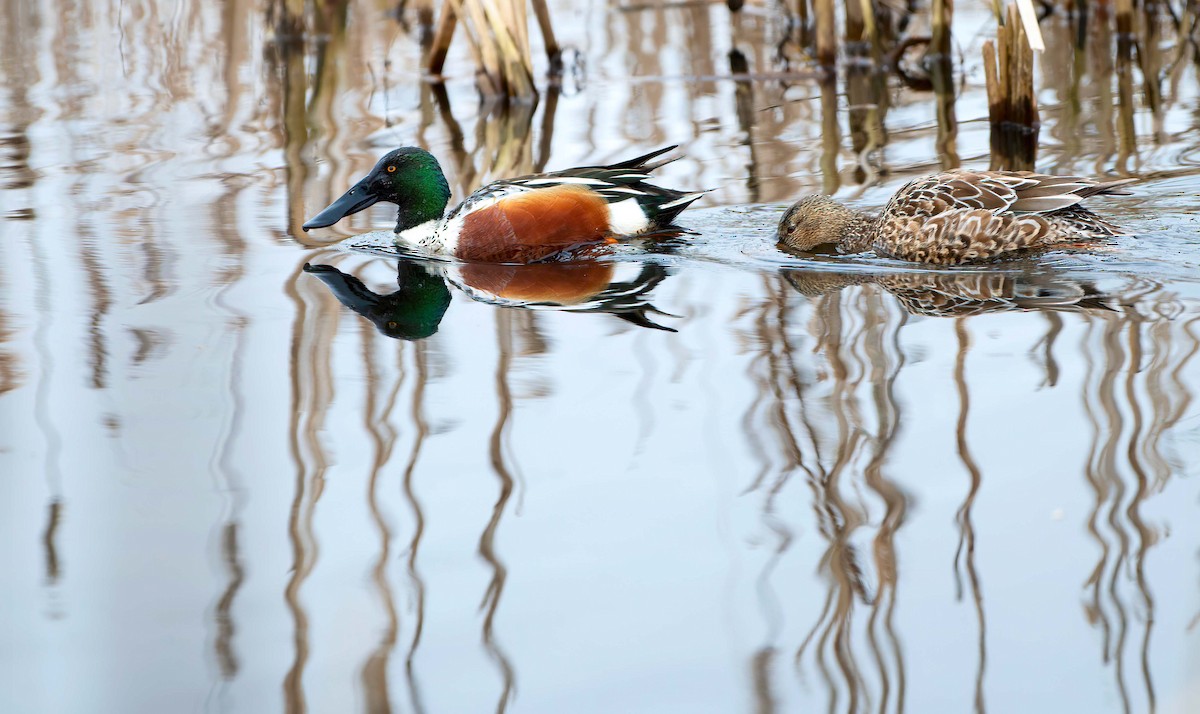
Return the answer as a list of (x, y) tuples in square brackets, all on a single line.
[(912, 40), (497, 33), (816, 25)]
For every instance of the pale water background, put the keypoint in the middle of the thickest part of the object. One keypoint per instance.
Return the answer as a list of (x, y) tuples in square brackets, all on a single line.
[(833, 488)]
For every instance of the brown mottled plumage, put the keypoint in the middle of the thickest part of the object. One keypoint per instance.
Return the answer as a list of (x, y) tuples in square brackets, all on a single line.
[(957, 217), (961, 294)]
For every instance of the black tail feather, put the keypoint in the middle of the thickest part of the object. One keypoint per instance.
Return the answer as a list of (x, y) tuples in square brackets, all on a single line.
[(640, 162), (667, 216)]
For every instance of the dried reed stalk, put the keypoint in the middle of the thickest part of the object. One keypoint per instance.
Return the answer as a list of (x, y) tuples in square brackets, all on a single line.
[(862, 31), (287, 19), (1126, 130), (855, 23), (831, 136), (941, 74), (803, 35), (870, 24), (1012, 105), (424, 10), (826, 32), (552, 49), (446, 24), (941, 17), (1124, 19), (1029, 21)]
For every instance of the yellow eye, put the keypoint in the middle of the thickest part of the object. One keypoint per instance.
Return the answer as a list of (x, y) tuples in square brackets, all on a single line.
[(392, 169)]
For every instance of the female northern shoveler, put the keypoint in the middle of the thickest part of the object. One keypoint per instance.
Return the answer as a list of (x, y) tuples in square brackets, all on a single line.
[(519, 220), (963, 294), (958, 217)]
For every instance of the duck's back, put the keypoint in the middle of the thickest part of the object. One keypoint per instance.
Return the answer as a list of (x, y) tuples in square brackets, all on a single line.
[(531, 218), (969, 216), (525, 225)]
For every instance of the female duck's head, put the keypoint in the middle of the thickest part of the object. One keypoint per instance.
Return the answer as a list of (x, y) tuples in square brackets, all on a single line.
[(408, 177), (815, 221)]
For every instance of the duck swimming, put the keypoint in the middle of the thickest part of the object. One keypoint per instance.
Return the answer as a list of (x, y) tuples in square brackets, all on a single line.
[(517, 220), (958, 217)]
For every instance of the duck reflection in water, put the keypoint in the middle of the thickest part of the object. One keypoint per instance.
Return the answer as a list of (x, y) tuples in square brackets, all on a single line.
[(415, 310), (411, 313), (954, 294)]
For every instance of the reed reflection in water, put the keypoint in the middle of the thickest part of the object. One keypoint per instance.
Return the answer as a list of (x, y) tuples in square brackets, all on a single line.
[(825, 432), (833, 485)]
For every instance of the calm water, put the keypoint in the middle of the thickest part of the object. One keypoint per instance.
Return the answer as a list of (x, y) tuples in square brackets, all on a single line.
[(833, 484)]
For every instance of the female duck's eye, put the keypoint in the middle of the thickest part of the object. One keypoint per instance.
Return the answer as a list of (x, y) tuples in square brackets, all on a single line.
[(392, 169)]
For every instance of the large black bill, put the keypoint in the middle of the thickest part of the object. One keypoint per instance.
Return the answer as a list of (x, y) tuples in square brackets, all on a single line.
[(348, 289), (411, 313), (353, 201)]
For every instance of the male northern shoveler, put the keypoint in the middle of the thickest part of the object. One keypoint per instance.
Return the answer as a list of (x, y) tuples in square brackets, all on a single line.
[(958, 217), (415, 310), (519, 220)]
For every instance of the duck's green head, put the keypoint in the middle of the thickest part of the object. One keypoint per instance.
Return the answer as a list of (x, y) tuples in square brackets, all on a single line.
[(408, 177)]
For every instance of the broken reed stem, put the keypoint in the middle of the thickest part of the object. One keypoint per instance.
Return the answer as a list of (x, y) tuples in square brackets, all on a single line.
[(424, 10), (998, 11), (991, 77), (826, 32), (1012, 105), (1026, 112), (1124, 18), (862, 31), (287, 19), (1033, 33), (801, 25), (941, 17), (870, 26), (1125, 127), (853, 18), (548, 39), (941, 73), (446, 24)]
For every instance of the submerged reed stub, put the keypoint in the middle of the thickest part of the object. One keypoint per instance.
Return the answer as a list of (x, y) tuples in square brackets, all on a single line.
[(1012, 104)]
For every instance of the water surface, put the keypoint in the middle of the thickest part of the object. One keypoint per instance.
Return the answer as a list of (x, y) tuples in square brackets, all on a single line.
[(234, 483)]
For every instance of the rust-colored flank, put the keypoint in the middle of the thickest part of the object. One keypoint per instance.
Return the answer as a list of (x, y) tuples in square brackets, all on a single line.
[(534, 225), (557, 283)]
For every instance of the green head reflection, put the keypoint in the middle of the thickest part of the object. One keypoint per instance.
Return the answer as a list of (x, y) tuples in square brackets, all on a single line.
[(411, 313)]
